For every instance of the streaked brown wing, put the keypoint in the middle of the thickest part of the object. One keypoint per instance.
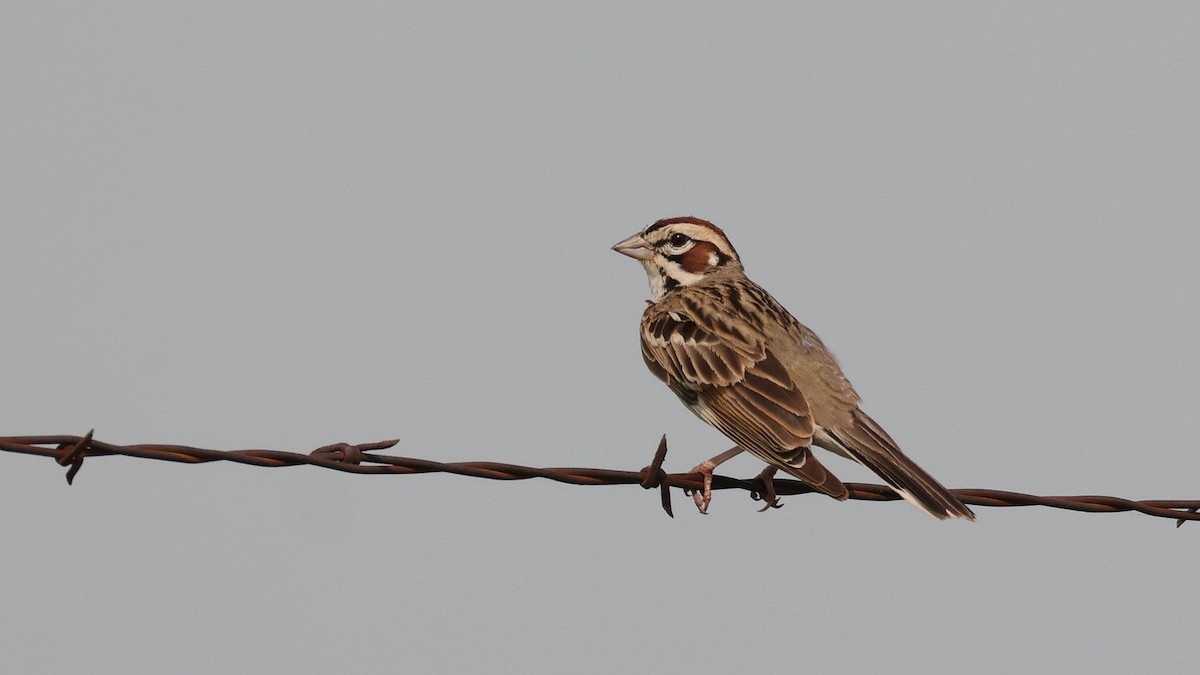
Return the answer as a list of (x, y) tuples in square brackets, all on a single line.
[(733, 382), (765, 412), (698, 356), (772, 422), (682, 353)]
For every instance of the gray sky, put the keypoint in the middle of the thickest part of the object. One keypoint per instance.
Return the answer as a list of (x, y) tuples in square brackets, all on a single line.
[(290, 225)]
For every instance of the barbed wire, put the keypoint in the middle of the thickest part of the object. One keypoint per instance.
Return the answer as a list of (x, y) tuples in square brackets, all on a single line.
[(70, 451)]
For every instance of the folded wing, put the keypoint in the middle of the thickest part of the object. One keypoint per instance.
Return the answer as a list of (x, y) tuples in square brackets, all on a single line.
[(727, 377)]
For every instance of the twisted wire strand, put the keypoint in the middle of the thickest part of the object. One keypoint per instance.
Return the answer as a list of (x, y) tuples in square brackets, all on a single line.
[(70, 451)]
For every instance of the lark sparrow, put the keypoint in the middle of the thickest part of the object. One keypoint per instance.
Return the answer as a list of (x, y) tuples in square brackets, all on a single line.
[(742, 363)]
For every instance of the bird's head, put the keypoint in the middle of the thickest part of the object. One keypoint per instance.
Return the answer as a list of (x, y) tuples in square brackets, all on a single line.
[(681, 251)]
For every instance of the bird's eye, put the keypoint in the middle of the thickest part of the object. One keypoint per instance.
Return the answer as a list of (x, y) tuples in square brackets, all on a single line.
[(678, 239)]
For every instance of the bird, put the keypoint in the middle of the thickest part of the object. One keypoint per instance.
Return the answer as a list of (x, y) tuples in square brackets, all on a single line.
[(742, 363)]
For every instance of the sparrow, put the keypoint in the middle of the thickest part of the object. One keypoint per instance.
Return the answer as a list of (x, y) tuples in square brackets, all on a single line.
[(742, 363)]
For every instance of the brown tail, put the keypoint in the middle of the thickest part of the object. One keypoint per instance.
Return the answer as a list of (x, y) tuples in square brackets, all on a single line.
[(868, 444)]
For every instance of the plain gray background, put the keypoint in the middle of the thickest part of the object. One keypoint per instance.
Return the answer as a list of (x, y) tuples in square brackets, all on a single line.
[(287, 225)]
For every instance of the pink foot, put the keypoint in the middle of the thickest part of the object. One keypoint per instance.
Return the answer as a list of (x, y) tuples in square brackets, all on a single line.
[(704, 497), (705, 469)]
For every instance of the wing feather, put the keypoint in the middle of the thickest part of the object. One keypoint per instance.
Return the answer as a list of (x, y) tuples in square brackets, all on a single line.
[(727, 376)]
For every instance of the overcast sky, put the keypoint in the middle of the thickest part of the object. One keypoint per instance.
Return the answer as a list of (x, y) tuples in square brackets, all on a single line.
[(282, 225)]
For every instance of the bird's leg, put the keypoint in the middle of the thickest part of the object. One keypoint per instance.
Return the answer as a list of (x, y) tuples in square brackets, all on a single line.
[(705, 468), (768, 496)]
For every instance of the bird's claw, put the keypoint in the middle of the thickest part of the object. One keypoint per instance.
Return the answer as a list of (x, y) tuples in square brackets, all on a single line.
[(701, 501), (767, 496), (771, 502), (703, 497)]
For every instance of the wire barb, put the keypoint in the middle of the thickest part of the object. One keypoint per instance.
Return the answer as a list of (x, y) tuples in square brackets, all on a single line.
[(351, 454), (70, 451), (74, 454), (1181, 521), (653, 476)]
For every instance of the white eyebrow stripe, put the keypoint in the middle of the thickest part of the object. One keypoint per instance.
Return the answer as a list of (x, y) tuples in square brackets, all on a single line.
[(694, 232)]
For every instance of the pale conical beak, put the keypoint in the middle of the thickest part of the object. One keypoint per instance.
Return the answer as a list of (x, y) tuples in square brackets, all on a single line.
[(635, 247)]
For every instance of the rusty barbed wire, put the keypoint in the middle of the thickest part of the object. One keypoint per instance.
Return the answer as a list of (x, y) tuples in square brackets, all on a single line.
[(70, 451)]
